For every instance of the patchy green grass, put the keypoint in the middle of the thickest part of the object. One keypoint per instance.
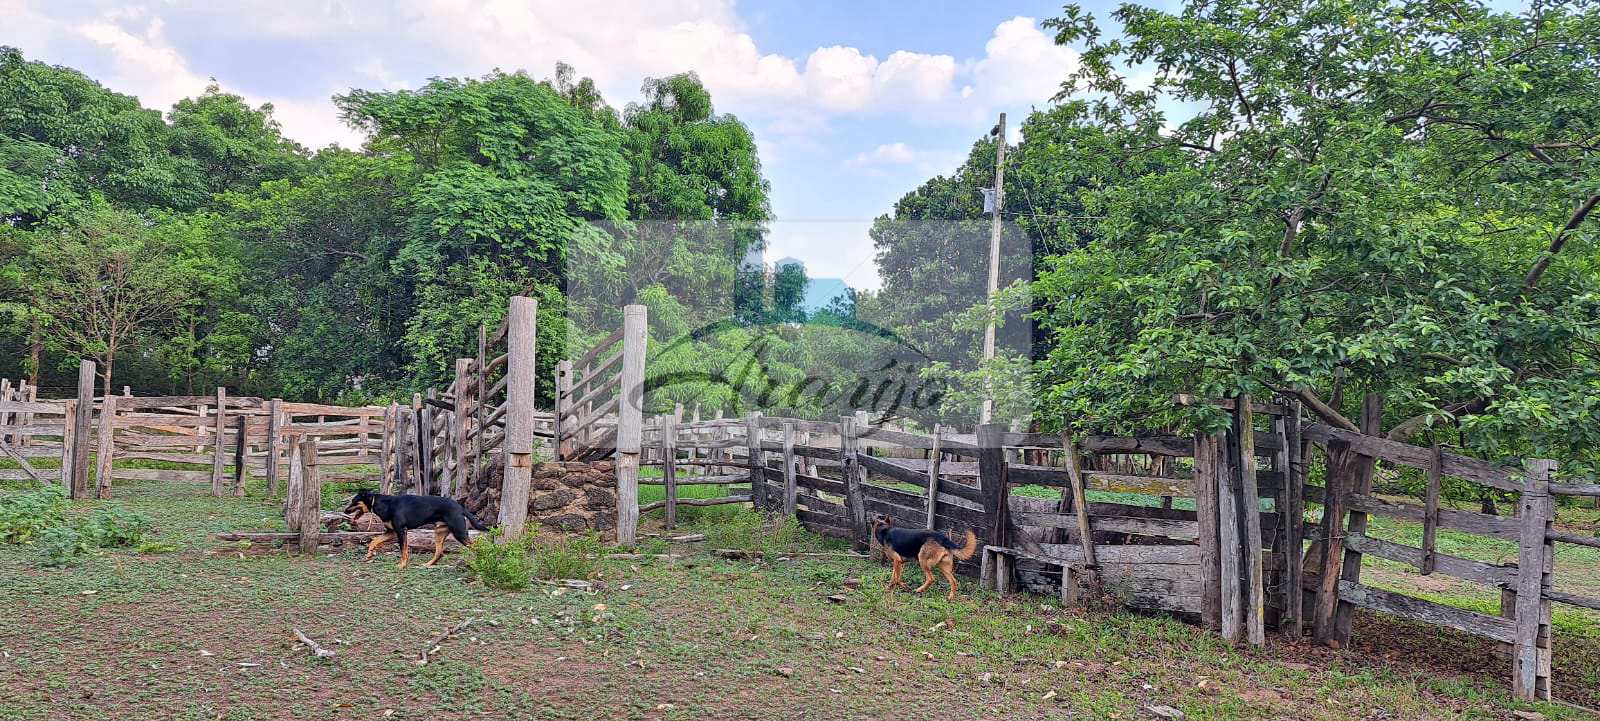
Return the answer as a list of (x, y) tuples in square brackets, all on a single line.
[(208, 632)]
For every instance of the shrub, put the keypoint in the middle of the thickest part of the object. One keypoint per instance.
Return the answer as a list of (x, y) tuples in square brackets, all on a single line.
[(62, 545), (113, 527), (569, 557), (24, 517), (507, 566)]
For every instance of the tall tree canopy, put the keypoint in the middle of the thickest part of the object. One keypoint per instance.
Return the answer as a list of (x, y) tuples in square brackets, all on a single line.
[(1371, 196)]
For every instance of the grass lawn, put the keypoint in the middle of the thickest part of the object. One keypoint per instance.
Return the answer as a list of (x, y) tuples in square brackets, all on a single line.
[(207, 632)]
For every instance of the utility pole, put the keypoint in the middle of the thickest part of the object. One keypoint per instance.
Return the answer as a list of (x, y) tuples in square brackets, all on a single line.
[(994, 258)]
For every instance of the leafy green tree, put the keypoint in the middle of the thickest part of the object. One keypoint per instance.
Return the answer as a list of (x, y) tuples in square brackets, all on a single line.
[(231, 145), (106, 284), (1370, 197)]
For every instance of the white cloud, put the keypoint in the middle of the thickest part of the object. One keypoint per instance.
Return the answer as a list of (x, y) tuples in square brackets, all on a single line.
[(148, 67), (887, 154), (1022, 64)]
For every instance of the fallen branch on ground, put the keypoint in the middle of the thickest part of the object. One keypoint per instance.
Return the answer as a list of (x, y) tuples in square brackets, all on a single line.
[(741, 553), (433, 644), (315, 647)]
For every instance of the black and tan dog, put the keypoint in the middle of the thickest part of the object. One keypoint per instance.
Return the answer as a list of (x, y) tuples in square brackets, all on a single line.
[(403, 513), (928, 547)]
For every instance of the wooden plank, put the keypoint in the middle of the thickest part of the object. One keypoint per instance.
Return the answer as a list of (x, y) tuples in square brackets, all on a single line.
[(220, 426), (274, 444), (755, 457), (1175, 446), (630, 421), (1480, 524), (1157, 527), (723, 501), (1331, 542), (825, 485), (1573, 599), (1477, 571), (152, 474), (1231, 543), (1089, 578), (522, 336), (46, 407), (1291, 464), (1416, 609), (1430, 514), (1228, 404), (993, 482), (1575, 489), (669, 467), (854, 475), (81, 432), (788, 470), (1530, 674), (813, 503), (1205, 490), (106, 450), (1250, 505), (935, 458), (1133, 556), (1362, 469), (1463, 467), (310, 497)]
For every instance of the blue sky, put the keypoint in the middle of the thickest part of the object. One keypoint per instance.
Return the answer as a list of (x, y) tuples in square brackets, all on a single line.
[(853, 104)]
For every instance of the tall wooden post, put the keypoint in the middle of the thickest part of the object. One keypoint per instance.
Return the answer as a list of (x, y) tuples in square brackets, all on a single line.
[(1205, 489), (755, 457), (464, 465), (992, 481), (106, 450), (1360, 479), (669, 466), (422, 439), (790, 491), (1531, 649), (387, 465), (1231, 542), (630, 421), (933, 475), (294, 487), (219, 443), (274, 444), (79, 487), (1254, 590), (310, 497), (855, 503), (1292, 517), (69, 447), (1090, 580), (521, 371), (563, 417), (239, 458)]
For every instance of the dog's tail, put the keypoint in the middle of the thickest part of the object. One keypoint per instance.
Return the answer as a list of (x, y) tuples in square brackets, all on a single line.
[(476, 524), (962, 550)]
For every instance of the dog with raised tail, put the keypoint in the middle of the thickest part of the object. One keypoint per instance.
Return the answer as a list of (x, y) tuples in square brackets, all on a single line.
[(930, 548), (403, 513)]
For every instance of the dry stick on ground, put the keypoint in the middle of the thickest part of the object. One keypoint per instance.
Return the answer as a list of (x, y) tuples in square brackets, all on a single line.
[(433, 643), (315, 647)]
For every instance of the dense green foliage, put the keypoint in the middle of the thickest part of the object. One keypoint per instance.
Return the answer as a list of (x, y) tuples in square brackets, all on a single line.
[(1369, 196)]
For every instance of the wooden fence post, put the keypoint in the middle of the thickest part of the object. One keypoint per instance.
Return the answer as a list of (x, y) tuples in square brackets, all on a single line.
[(79, 488), (239, 457), (69, 445), (669, 466), (1292, 518), (630, 421), (933, 474), (992, 481), (1205, 490), (563, 409), (294, 487), (1230, 541), (1090, 581), (106, 449), (855, 503), (1254, 591), (521, 371), (1531, 657), (464, 467), (789, 488), (219, 443), (274, 444), (758, 470), (1361, 480), (1332, 542), (387, 457), (311, 497)]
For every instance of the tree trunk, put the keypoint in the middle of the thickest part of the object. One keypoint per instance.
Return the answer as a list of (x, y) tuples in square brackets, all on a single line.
[(110, 361), (36, 352), (1487, 504)]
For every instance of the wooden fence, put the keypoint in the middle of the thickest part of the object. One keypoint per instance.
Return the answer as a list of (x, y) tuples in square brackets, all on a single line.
[(1211, 525)]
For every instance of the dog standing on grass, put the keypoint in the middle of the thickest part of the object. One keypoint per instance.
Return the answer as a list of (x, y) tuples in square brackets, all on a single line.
[(403, 513), (928, 547)]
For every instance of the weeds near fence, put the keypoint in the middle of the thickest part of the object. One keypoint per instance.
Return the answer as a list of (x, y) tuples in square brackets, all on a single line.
[(506, 566)]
